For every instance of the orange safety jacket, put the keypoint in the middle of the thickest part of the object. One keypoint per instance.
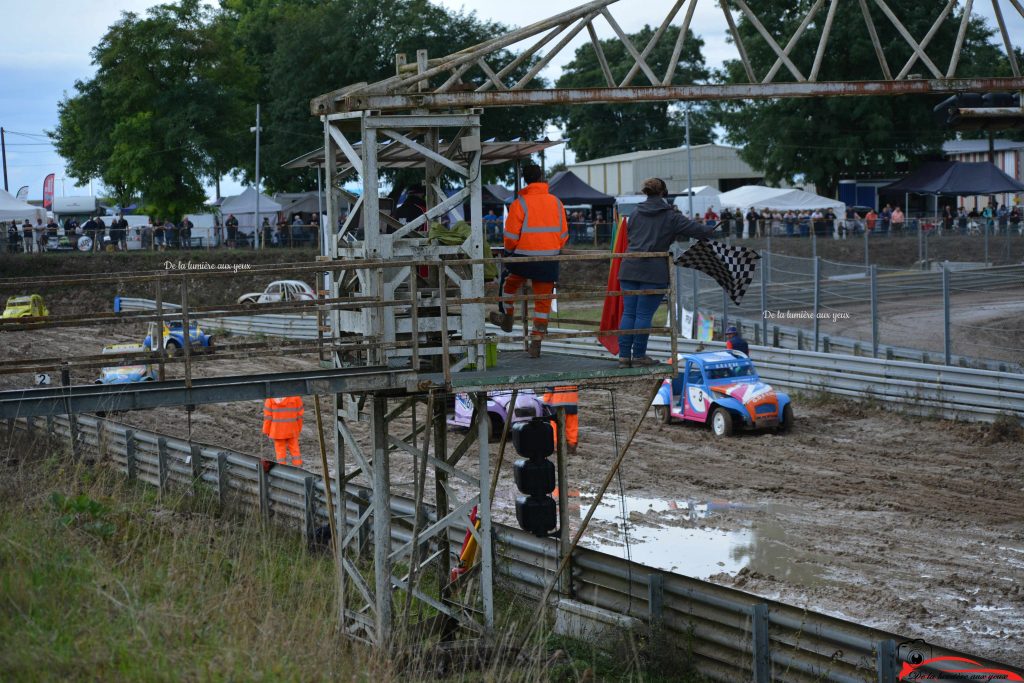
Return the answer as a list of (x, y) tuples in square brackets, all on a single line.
[(567, 396), (282, 417), (536, 226)]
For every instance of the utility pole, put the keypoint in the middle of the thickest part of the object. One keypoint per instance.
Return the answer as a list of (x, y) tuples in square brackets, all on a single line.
[(3, 151), (258, 234), (689, 165)]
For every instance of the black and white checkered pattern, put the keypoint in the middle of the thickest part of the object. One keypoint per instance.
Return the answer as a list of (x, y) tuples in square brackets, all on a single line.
[(731, 267)]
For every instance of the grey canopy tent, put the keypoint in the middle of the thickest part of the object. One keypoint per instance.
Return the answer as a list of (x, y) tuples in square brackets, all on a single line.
[(956, 178)]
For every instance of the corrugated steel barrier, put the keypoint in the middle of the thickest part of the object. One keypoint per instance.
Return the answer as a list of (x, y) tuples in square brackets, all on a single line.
[(727, 634), (945, 391)]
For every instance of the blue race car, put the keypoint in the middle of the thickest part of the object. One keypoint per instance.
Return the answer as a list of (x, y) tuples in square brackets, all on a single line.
[(722, 389), (125, 374), (174, 337)]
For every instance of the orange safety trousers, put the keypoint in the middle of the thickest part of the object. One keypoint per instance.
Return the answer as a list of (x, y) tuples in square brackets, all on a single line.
[(282, 446), (541, 308), (572, 430)]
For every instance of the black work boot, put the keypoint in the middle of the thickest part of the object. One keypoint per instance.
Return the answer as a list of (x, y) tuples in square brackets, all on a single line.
[(502, 320)]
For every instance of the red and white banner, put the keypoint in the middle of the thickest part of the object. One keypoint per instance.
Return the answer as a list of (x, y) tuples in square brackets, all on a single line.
[(48, 191)]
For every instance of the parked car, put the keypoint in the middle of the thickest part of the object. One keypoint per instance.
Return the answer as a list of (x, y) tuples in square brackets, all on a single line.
[(174, 337), (30, 306), (722, 389), (280, 290), (125, 374), (528, 406)]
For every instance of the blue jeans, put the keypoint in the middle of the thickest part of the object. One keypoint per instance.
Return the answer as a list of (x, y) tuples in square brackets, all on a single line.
[(637, 314)]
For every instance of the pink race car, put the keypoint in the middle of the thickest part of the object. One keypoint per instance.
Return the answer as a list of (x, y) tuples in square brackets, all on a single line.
[(528, 405)]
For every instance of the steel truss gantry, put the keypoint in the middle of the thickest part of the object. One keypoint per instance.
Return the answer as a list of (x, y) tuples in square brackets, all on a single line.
[(469, 77), (441, 98)]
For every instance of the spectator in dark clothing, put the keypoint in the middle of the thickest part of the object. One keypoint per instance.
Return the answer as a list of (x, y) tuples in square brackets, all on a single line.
[(734, 341), (751, 224), (101, 232), (159, 235), (186, 233), (172, 234), (119, 233), (653, 227), (232, 225), (268, 233)]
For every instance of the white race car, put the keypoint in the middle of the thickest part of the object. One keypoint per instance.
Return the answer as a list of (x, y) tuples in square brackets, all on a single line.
[(280, 290)]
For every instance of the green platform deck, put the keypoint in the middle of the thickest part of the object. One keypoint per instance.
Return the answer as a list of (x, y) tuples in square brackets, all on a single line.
[(517, 369)]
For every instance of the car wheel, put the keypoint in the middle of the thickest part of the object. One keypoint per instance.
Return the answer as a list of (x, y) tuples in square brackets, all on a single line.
[(721, 422), (787, 419), (663, 413), (496, 426)]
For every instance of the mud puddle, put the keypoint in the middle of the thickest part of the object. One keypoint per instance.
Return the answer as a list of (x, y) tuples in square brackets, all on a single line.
[(698, 538)]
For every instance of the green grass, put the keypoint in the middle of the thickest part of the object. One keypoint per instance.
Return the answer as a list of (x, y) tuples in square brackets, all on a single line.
[(101, 579)]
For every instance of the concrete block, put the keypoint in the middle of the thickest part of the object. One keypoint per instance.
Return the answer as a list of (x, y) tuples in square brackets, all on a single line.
[(592, 624)]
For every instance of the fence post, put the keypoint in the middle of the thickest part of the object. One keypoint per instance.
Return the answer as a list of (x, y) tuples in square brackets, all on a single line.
[(775, 336), (309, 491), (222, 479), (161, 464), (76, 450), (725, 312), (693, 280), (764, 304), (867, 255), (947, 342), (873, 271), (886, 661), (762, 664), (799, 340), (196, 461), (264, 485), (129, 449), (655, 598), (825, 344), (817, 299)]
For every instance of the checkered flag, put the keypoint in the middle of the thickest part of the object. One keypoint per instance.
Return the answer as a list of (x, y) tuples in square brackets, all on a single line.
[(731, 267)]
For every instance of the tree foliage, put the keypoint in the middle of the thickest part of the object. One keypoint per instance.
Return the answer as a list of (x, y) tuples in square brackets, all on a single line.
[(309, 48), (159, 117), (603, 129), (826, 138)]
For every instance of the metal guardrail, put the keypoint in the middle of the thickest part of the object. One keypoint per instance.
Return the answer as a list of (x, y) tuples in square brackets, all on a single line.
[(729, 635), (935, 390), (291, 326)]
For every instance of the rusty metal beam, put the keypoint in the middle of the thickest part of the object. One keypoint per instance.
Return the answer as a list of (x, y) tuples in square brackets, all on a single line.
[(743, 91)]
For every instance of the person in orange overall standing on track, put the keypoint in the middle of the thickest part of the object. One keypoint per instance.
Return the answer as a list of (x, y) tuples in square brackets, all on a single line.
[(567, 397), (536, 226), (282, 422)]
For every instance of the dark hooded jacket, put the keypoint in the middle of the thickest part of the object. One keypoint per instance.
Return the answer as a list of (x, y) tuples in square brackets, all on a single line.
[(654, 227)]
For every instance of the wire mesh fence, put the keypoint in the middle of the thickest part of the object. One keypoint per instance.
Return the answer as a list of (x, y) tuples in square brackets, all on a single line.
[(969, 317)]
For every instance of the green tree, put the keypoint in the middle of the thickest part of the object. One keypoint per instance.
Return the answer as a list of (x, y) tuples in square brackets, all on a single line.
[(305, 49), (826, 138), (157, 119), (603, 129)]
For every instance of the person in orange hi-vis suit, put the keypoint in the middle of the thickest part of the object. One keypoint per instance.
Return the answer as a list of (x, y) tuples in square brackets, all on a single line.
[(536, 226), (567, 397), (282, 422)]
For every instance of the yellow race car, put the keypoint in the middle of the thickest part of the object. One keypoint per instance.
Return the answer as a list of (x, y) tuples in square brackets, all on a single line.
[(30, 306)]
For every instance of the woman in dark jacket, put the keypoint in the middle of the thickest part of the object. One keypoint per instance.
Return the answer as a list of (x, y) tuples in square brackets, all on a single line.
[(653, 227)]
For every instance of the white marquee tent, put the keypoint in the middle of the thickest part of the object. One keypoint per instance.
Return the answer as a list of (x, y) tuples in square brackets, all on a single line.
[(13, 209), (758, 197), (243, 207)]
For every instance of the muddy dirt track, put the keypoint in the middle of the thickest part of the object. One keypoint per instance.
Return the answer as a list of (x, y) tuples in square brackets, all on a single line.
[(903, 523)]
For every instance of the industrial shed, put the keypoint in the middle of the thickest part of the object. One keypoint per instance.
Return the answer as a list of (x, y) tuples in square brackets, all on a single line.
[(716, 165)]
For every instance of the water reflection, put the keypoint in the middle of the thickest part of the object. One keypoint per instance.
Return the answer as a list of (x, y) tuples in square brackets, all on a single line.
[(681, 536)]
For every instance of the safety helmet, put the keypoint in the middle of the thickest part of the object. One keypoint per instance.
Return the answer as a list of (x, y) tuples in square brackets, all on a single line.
[(731, 330)]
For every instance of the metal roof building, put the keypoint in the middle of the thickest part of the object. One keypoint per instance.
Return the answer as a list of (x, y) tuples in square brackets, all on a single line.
[(719, 166)]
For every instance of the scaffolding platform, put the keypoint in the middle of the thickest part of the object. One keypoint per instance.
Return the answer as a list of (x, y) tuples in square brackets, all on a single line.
[(516, 369)]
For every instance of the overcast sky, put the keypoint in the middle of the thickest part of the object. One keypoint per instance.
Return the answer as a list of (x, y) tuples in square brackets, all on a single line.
[(45, 48)]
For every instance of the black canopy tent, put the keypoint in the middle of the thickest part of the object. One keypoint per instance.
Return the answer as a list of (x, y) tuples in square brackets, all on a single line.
[(568, 187), (956, 178)]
